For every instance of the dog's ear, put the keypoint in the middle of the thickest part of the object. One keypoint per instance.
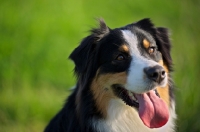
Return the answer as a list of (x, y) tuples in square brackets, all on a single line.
[(102, 31), (86, 50), (164, 45), (146, 25)]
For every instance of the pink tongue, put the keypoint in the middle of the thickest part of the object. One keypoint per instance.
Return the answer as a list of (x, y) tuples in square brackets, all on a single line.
[(153, 110)]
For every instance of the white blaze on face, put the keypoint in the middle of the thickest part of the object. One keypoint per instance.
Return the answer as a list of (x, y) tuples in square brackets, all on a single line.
[(137, 81)]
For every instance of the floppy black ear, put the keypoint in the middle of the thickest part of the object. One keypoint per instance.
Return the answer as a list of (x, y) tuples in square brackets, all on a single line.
[(82, 53), (85, 51), (164, 45)]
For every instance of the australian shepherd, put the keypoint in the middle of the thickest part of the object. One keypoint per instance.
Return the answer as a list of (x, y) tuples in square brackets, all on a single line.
[(123, 82)]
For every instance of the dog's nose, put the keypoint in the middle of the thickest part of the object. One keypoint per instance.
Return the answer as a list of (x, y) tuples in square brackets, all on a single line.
[(155, 73)]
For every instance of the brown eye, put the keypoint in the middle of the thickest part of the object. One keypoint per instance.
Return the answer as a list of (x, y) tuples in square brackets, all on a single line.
[(151, 50), (120, 57)]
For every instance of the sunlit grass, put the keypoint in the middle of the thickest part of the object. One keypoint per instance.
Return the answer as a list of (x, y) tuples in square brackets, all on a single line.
[(29, 109)]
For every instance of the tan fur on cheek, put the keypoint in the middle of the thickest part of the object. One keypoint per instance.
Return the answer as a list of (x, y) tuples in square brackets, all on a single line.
[(164, 94), (164, 91), (102, 91), (161, 62)]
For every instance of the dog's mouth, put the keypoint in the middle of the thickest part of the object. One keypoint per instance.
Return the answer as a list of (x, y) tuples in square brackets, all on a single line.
[(129, 97), (152, 110)]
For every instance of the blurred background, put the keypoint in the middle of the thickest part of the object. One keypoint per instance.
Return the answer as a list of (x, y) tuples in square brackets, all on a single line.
[(37, 36)]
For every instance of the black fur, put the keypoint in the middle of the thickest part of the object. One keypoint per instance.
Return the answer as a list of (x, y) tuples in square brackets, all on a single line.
[(79, 111)]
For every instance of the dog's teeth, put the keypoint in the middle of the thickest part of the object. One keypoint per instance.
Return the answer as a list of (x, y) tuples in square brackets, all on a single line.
[(130, 94), (133, 98)]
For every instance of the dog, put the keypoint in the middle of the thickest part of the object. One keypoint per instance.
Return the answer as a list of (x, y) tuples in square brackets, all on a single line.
[(124, 82)]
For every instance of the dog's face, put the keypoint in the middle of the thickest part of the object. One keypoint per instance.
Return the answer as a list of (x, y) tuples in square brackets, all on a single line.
[(132, 64), (134, 52)]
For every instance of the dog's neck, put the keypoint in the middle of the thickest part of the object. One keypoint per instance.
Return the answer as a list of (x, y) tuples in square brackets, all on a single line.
[(123, 118)]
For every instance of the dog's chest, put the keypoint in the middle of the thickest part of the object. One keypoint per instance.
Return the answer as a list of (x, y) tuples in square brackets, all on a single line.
[(123, 118)]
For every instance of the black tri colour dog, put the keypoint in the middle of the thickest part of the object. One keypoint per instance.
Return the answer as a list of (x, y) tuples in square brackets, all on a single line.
[(123, 82)]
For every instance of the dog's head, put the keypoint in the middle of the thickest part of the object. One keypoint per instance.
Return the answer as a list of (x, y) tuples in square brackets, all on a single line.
[(130, 63)]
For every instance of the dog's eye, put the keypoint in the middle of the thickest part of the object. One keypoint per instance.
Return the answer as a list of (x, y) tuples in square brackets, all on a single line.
[(120, 57), (151, 50)]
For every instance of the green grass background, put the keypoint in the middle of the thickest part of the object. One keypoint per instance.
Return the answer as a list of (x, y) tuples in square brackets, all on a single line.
[(37, 36)]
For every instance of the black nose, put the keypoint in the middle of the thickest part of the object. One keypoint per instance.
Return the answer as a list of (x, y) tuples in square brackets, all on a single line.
[(155, 73)]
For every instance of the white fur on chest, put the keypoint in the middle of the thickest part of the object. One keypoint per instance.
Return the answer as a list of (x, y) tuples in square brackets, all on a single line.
[(123, 118)]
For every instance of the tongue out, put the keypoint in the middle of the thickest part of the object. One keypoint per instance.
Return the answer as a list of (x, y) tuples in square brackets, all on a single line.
[(153, 111)]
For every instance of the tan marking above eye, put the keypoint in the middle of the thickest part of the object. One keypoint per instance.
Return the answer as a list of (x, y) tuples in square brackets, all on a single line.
[(146, 43), (124, 48)]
